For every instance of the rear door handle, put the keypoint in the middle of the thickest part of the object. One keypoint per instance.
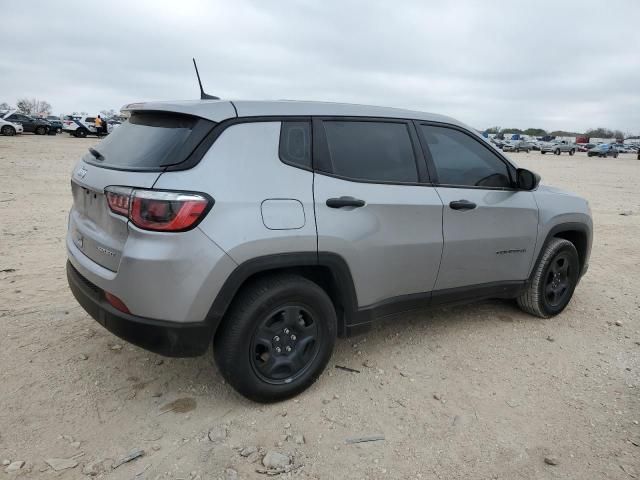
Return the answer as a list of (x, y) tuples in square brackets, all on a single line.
[(462, 205), (345, 202)]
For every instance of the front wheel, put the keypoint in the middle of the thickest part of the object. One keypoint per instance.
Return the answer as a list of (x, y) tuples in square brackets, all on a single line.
[(571, 152), (81, 133), (40, 131), (542, 152), (557, 151), (615, 155), (554, 279), (8, 130), (277, 337)]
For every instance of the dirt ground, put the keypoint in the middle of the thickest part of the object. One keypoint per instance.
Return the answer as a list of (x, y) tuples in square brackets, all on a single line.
[(481, 391)]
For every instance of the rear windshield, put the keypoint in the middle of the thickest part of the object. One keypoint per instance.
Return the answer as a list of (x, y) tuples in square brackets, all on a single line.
[(150, 141)]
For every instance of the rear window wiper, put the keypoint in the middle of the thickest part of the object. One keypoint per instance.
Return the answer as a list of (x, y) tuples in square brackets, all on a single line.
[(96, 153)]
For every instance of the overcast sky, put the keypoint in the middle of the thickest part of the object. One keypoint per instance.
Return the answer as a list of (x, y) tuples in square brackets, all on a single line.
[(551, 64)]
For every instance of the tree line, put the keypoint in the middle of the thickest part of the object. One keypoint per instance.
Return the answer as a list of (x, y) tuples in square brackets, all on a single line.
[(599, 132), (36, 107)]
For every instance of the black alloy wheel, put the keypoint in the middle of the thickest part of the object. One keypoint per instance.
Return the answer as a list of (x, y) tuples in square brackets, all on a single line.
[(558, 283), (285, 344)]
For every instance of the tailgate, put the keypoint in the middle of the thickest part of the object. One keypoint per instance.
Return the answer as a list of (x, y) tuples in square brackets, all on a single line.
[(94, 229)]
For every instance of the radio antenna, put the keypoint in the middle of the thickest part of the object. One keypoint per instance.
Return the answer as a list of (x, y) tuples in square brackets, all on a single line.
[(203, 96)]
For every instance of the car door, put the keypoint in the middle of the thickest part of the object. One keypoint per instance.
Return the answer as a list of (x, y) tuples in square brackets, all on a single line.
[(489, 227), (375, 206)]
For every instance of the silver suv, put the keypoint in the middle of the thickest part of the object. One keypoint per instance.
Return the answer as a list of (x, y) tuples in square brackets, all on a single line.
[(271, 228)]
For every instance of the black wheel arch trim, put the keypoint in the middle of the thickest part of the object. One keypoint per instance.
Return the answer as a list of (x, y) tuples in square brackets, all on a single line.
[(344, 295), (568, 227)]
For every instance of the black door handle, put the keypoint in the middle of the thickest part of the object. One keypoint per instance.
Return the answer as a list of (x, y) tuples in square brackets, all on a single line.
[(344, 202), (462, 205)]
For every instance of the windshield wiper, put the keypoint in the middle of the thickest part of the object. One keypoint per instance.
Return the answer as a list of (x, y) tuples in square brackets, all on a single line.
[(96, 153)]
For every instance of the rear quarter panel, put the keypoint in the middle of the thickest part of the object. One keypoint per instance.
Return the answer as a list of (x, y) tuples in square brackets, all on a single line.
[(241, 171)]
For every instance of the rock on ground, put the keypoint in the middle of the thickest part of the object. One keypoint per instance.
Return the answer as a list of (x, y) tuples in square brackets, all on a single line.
[(276, 460)]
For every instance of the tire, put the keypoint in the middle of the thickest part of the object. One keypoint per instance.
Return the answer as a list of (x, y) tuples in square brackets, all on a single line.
[(571, 152), (81, 133), (40, 130), (527, 150), (556, 151), (58, 130), (554, 279), (281, 311), (615, 155), (8, 130), (542, 152)]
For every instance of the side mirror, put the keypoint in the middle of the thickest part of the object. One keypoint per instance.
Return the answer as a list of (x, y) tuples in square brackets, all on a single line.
[(527, 180)]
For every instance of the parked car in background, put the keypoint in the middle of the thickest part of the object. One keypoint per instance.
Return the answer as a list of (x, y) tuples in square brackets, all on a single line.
[(55, 122), (498, 143), (584, 147), (39, 126), (81, 125), (621, 148), (517, 146), (173, 247), (9, 129), (558, 147), (603, 150)]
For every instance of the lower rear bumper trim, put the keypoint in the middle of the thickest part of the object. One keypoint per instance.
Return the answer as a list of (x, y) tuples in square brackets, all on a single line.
[(171, 339)]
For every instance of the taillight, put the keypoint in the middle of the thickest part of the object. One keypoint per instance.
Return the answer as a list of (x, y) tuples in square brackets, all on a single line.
[(118, 199), (158, 210)]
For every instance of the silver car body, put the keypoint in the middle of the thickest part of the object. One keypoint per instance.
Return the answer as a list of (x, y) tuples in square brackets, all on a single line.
[(405, 243), (562, 146)]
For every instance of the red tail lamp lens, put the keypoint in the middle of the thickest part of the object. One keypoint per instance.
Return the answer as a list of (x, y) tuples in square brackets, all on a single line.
[(165, 211), (116, 302), (118, 199), (158, 210)]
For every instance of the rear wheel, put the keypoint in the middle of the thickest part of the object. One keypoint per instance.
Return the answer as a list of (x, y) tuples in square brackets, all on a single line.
[(542, 152), (81, 133), (277, 337), (571, 152), (8, 130), (40, 130), (615, 155), (554, 280), (557, 151)]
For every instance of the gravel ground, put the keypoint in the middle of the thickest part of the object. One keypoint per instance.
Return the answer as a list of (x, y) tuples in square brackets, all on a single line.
[(478, 391)]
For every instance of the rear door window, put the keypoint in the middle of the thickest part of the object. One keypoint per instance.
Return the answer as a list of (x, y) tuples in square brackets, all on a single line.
[(150, 141), (370, 150)]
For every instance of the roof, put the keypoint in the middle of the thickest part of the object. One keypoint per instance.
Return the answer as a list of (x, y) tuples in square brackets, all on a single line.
[(219, 110)]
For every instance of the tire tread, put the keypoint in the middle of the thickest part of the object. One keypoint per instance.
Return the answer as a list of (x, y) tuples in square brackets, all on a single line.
[(530, 300)]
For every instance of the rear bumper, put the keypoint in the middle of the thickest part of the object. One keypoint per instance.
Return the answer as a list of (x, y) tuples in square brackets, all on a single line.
[(171, 339)]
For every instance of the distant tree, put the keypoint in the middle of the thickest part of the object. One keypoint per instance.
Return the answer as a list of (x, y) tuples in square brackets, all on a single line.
[(512, 130), (5, 106), (493, 130), (563, 133), (618, 134), (535, 132), (33, 106), (600, 132), (108, 113)]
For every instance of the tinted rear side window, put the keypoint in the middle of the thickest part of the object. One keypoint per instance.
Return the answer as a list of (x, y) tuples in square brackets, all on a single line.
[(374, 151), (151, 141), (295, 143)]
